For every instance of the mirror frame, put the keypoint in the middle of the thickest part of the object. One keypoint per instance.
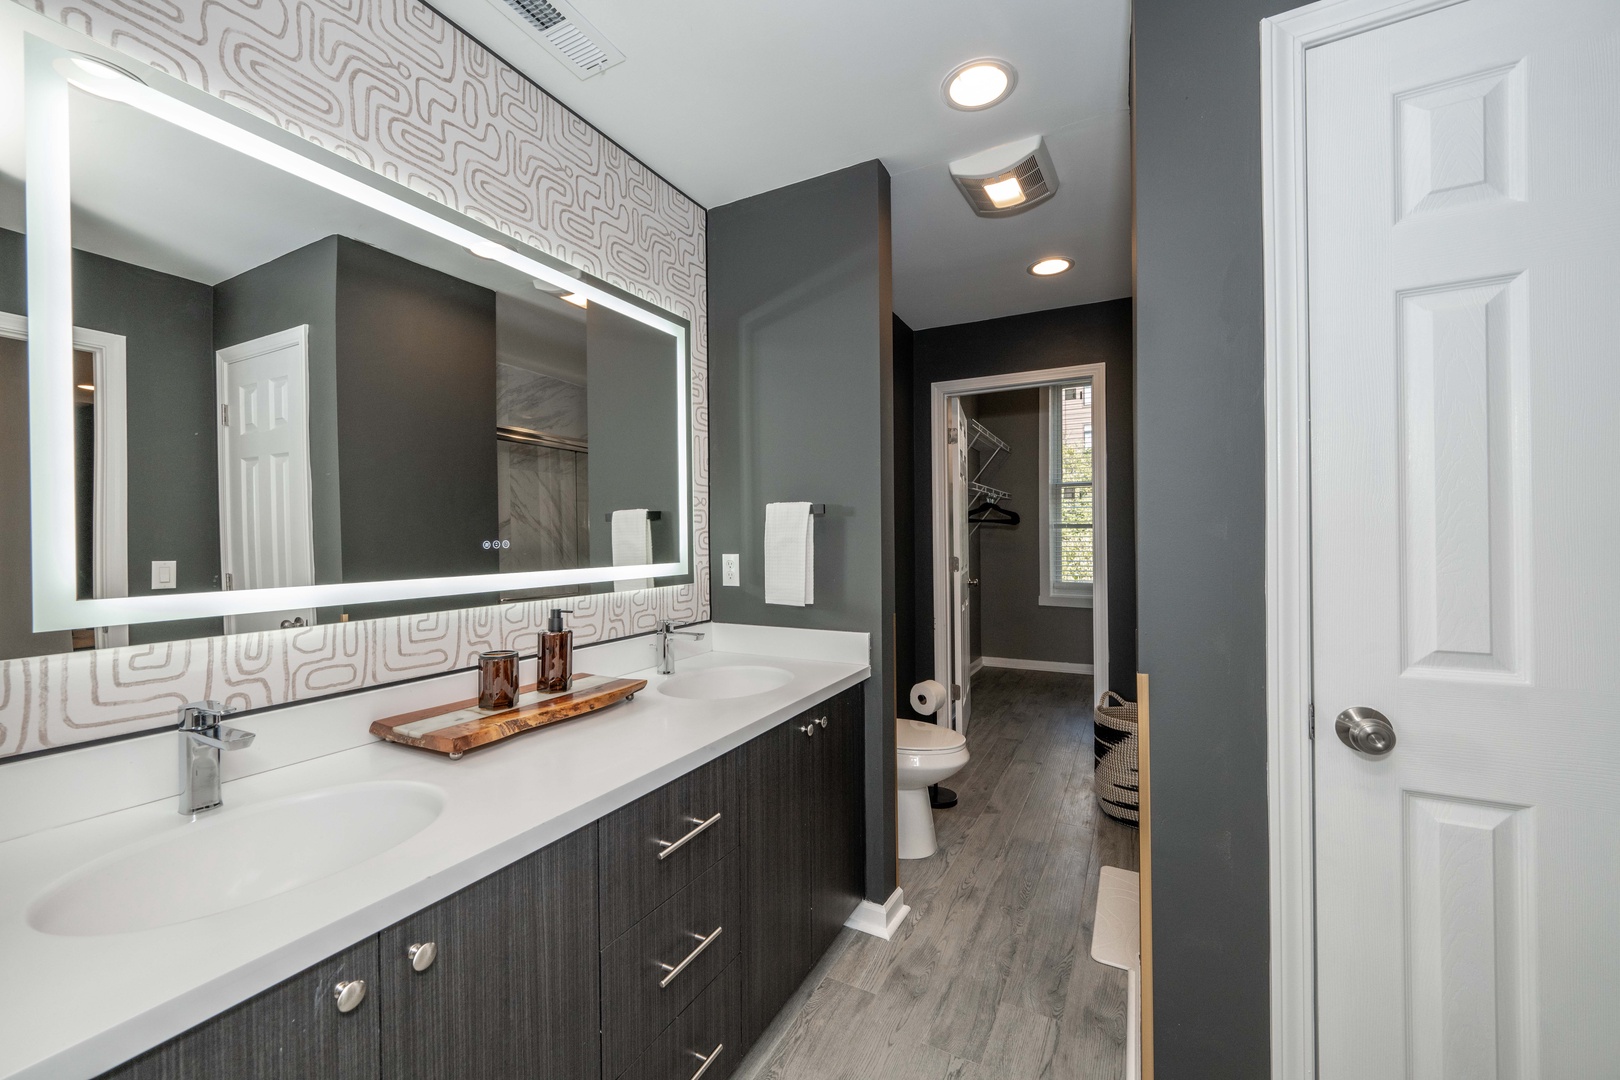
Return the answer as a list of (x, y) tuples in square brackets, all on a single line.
[(48, 228)]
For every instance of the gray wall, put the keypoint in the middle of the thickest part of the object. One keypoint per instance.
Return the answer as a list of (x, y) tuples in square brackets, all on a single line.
[(1012, 621), (633, 421), (800, 354), (1087, 334), (1201, 517), (17, 637)]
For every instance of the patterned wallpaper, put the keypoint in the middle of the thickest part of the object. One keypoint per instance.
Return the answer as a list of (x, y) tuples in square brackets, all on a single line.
[(392, 85)]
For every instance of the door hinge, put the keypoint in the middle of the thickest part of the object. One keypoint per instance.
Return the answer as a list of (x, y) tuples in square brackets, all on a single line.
[(224, 416), (956, 691), (229, 585), (956, 564), (950, 436), (1310, 713)]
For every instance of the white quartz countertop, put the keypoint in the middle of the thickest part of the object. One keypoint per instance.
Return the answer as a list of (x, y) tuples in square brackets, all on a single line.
[(75, 1006)]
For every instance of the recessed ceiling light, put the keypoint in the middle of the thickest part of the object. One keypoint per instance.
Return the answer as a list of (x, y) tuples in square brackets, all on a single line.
[(86, 386), (1052, 265), (96, 76), (485, 249), (1004, 193), (979, 84), (577, 300)]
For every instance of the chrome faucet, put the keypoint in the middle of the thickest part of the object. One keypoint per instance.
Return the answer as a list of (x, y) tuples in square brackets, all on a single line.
[(667, 628), (202, 737)]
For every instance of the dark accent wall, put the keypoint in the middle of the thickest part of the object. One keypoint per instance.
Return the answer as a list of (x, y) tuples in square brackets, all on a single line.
[(1087, 334), (1012, 621), (801, 400), (1200, 347), (633, 419), (299, 289)]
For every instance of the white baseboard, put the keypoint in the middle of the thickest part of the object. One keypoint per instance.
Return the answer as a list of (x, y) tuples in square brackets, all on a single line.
[(1116, 941), (1035, 665), (880, 920), (973, 668)]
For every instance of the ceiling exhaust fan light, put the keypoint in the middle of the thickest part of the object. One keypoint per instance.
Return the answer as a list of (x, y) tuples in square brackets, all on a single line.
[(979, 84), (1004, 193), (1052, 266)]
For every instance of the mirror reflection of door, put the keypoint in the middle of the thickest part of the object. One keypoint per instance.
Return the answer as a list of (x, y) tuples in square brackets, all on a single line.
[(98, 481), (267, 535)]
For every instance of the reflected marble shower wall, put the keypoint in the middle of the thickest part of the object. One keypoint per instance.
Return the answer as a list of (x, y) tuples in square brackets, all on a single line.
[(543, 508), (528, 399)]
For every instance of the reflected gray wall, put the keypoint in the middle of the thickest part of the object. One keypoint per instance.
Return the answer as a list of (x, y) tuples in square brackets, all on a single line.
[(633, 423), (17, 637), (1012, 621), (800, 353)]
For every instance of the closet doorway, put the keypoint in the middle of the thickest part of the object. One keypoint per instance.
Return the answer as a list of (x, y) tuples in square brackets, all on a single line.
[(1060, 517)]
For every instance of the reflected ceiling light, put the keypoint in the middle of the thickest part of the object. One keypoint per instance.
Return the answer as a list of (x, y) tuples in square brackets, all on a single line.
[(1051, 266), (96, 76), (979, 84), (86, 386), (486, 249), (576, 299)]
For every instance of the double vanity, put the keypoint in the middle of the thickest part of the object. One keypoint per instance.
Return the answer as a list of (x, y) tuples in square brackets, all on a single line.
[(634, 893)]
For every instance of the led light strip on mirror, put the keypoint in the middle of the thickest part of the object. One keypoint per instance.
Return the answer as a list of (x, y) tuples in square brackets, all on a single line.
[(53, 73)]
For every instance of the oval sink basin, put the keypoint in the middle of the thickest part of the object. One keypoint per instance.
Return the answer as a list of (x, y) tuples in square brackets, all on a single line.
[(715, 683), (234, 858)]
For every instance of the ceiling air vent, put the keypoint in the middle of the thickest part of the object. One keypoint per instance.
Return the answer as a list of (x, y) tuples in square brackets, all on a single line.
[(567, 35), (1007, 179)]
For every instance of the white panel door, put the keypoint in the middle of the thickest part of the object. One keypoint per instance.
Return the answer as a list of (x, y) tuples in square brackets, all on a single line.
[(959, 689), (267, 537), (1464, 259)]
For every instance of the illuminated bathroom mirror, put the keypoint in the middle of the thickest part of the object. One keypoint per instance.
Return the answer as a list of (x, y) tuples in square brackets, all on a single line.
[(267, 387)]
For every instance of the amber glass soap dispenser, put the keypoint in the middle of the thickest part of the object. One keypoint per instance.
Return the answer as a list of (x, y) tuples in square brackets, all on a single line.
[(556, 655)]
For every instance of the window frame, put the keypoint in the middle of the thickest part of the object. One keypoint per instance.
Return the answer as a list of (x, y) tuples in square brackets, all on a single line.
[(1053, 593)]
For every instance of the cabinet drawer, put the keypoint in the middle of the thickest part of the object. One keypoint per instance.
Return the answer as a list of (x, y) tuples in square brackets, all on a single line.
[(707, 1039), (655, 970), (657, 845)]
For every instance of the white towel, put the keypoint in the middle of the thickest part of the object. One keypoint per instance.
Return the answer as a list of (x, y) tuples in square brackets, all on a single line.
[(790, 554), (632, 546)]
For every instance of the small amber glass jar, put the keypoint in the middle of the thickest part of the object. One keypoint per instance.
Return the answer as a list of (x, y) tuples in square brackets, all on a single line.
[(497, 679)]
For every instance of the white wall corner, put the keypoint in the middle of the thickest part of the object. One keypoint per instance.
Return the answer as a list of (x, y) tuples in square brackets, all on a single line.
[(880, 920)]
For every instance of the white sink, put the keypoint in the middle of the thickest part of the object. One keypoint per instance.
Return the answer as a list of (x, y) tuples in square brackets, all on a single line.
[(732, 681), (234, 857)]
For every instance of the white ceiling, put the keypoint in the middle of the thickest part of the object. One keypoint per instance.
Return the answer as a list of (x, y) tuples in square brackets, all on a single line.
[(730, 100)]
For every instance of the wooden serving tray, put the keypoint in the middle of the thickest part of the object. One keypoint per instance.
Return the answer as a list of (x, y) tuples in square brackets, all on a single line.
[(461, 726)]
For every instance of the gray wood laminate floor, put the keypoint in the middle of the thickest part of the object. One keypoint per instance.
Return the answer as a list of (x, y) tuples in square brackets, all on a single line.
[(991, 975)]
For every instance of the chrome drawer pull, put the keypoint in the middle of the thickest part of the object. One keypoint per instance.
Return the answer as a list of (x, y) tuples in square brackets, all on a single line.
[(707, 1061), (670, 849), (703, 943)]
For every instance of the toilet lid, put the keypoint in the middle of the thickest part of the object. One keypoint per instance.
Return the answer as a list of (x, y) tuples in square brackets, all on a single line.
[(920, 737)]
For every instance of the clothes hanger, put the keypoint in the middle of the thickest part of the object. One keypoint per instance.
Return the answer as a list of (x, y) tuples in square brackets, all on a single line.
[(990, 513)]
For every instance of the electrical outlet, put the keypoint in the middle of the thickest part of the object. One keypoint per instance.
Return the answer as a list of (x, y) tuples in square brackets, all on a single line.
[(730, 573), (165, 575)]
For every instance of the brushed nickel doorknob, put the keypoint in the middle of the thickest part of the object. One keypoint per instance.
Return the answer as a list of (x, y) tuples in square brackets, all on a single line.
[(1366, 731), (422, 955), (809, 729), (349, 994)]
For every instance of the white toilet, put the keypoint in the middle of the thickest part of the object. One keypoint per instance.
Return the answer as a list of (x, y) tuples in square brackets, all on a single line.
[(925, 754)]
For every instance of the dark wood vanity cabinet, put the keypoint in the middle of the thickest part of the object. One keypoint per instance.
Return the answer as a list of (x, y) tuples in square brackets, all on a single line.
[(594, 958), (293, 1029), (803, 848), (512, 987)]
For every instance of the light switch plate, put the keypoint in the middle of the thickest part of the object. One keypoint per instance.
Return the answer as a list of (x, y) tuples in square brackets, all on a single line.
[(165, 574), (730, 573)]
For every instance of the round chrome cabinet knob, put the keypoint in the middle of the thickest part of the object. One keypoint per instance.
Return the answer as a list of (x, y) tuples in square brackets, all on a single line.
[(423, 955), (349, 994), (1366, 731)]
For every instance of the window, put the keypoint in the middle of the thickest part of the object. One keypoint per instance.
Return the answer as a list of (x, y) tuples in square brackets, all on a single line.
[(1068, 510)]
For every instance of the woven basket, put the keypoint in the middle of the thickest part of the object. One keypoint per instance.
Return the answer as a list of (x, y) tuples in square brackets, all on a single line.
[(1116, 739)]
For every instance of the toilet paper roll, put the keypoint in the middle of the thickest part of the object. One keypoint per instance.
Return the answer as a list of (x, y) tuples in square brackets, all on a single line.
[(928, 697)]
